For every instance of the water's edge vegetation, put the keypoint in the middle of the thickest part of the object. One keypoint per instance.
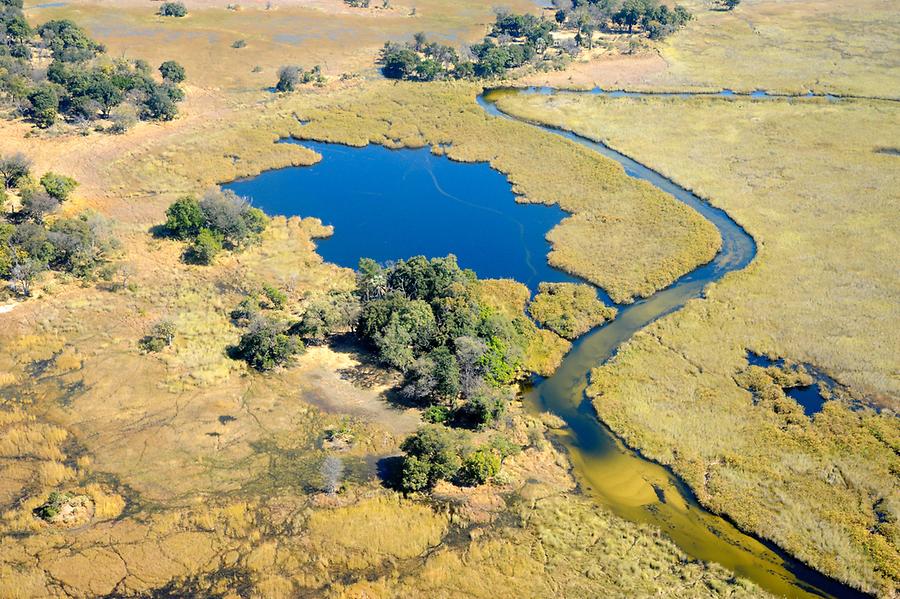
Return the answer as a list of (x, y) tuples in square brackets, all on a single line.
[(619, 477)]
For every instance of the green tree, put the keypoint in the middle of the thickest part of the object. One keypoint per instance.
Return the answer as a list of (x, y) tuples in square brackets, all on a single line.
[(184, 219), (58, 186), (172, 72), (479, 467), (446, 373), (159, 105), (433, 455), (398, 62), (44, 106), (266, 345), (172, 9), (103, 91), (205, 248)]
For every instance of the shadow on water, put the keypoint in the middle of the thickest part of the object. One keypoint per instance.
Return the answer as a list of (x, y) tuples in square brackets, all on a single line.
[(618, 477)]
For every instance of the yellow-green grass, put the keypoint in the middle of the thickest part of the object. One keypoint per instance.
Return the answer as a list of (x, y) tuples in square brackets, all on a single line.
[(811, 182), (623, 234), (793, 46), (569, 309)]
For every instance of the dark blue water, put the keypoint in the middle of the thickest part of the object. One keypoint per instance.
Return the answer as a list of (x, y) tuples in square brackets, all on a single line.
[(391, 204), (808, 396)]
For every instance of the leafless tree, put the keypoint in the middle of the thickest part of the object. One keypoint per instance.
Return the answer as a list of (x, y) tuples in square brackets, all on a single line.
[(332, 471)]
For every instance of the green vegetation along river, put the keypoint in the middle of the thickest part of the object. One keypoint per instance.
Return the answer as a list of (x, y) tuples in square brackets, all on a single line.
[(619, 478)]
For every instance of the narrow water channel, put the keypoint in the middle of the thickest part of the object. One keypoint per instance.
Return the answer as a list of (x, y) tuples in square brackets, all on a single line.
[(400, 203), (620, 479)]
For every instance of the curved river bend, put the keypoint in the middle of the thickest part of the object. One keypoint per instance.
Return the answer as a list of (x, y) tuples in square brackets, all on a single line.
[(617, 477), (613, 475)]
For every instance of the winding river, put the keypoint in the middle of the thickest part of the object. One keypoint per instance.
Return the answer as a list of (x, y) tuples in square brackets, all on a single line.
[(619, 478), (615, 476)]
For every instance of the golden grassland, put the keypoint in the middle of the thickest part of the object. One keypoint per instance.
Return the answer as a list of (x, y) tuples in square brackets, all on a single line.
[(794, 46), (790, 46), (623, 234), (203, 475), (569, 309), (810, 181)]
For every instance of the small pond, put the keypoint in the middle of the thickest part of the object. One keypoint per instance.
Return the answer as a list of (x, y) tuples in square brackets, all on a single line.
[(390, 204)]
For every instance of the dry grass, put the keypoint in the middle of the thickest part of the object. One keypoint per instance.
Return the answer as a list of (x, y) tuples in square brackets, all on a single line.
[(806, 179), (796, 46), (623, 234)]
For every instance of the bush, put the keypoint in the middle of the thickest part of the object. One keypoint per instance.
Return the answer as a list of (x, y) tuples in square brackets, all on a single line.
[(172, 72), (436, 414), (172, 9), (265, 345), (275, 297), (479, 467), (160, 336), (205, 248), (58, 186)]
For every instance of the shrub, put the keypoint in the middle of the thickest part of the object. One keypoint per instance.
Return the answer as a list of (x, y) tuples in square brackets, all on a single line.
[(479, 467), (265, 344), (58, 186), (205, 248), (172, 9), (172, 72), (436, 414), (160, 336), (275, 296)]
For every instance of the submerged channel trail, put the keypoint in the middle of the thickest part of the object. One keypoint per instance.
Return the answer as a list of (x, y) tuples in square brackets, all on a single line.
[(618, 478)]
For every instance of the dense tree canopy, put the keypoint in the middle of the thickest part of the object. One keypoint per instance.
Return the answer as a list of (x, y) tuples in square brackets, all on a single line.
[(81, 84)]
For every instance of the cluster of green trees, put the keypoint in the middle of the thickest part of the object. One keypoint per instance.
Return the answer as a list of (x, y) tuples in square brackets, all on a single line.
[(220, 220), (514, 41), (423, 317), (33, 240), (80, 83), (289, 77), (436, 453), (588, 16)]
